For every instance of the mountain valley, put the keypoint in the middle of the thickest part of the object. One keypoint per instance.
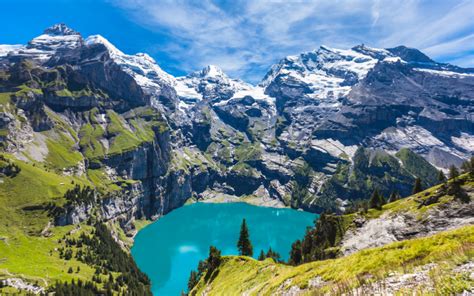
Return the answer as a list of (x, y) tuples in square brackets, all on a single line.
[(94, 137)]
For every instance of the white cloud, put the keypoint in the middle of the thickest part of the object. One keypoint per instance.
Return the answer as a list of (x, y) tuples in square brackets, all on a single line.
[(452, 47), (246, 37)]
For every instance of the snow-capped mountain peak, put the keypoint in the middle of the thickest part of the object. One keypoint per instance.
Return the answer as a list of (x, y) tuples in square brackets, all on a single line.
[(60, 30), (41, 48), (141, 65), (212, 71), (210, 83), (327, 73)]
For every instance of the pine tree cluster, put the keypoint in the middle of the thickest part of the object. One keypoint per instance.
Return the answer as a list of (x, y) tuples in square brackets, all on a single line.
[(314, 246), (101, 251), (78, 195), (8, 168), (376, 200), (77, 289), (205, 267), (270, 254)]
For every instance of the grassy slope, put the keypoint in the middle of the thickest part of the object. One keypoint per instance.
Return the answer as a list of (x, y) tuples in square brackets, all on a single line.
[(411, 203), (24, 252), (28, 243), (33, 186), (243, 274)]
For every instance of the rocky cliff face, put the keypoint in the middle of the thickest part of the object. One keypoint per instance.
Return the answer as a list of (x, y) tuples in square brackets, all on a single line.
[(318, 124), (77, 107)]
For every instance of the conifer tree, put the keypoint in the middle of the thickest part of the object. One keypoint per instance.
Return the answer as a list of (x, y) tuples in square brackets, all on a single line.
[(269, 253), (441, 177), (214, 259), (453, 172), (457, 191), (295, 253), (244, 245), (417, 186), (261, 257), (375, 201), (307, 245), (382, 199), (272, 254), (468, 166), (472, 166), (465, 167), (393, 197), (193, 280)]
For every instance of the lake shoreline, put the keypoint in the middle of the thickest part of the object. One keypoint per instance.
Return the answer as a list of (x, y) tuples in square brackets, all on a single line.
[(183, 236)]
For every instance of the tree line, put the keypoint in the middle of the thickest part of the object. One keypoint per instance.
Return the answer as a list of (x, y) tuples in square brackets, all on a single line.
[(453, 187), (100, 251)]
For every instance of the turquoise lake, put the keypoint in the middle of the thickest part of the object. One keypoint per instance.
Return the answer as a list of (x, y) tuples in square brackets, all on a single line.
[(168, 249)]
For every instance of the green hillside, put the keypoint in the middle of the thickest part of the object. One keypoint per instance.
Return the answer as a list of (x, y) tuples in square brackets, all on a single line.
[(239, 275), (437, 257)]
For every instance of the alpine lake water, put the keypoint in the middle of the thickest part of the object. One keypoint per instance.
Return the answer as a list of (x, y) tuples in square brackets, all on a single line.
[(168, 249)]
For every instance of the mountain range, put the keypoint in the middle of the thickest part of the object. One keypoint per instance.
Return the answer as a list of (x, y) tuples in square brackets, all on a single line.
[(321, 131), (322, 108)]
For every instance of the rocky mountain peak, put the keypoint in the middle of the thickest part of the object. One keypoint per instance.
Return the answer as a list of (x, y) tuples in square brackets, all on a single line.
[(210, 71), (55, 39), (322, 73), (410, 54), (60, 30), (210, 83)]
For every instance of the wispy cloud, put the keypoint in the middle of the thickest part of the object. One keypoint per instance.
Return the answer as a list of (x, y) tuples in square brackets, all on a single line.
[(246, 37)]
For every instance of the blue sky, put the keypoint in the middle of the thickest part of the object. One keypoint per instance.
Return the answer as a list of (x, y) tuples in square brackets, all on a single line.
[(245, 38)]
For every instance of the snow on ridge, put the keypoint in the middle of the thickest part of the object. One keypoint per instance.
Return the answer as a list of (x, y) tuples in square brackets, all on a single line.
[(377, 50), (7, 48), (211, 76), (186, 91), (465, 141), (45, 46), (347, 59), (256, 92), (393, 60), (444, 73), (141, 66), (212, 71), (98, 39), (328, 72)]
